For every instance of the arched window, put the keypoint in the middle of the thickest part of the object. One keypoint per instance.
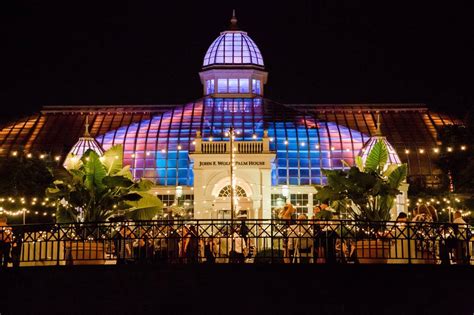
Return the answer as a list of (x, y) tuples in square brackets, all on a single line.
[(226, 191)]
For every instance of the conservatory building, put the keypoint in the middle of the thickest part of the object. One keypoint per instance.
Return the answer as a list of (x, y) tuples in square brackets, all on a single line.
[(279, 150)]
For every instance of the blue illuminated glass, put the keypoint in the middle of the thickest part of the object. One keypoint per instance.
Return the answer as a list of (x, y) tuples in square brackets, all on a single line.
[(221, 85), (209, 87), (158, 148), (233, 86), (256, 86), (244, 85)]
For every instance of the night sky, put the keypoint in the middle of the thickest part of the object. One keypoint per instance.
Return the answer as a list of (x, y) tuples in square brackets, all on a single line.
[(76, 52)]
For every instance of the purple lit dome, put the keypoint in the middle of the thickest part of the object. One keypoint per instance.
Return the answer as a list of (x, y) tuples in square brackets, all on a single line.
[(393, 157), (233, 47)]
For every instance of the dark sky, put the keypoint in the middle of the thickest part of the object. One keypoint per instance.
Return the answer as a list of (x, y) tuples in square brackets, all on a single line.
[(79, 52)]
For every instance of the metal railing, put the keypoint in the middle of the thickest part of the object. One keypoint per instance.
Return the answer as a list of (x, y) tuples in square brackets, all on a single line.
[(238, 241), (223, 147)]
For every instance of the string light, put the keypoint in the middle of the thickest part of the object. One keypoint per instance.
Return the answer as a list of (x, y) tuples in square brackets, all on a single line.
[(57, 158)]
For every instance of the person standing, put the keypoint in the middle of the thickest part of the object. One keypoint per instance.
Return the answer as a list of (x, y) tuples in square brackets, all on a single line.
[(237, 256), (123, 246), (461, 252), (191, 248), (5, 242), (400, 247), (173, 240), (209, 250), (300, 240), (16, 244)]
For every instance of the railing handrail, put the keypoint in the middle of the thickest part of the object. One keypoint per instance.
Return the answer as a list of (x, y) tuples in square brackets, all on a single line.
[(414, 241)]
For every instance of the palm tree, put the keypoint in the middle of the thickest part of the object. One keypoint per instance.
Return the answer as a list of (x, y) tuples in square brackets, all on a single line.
[(96, 189)]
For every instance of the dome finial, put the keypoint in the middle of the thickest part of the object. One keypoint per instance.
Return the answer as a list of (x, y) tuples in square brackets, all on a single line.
[(233, 22), (378, 131), (86, 132)]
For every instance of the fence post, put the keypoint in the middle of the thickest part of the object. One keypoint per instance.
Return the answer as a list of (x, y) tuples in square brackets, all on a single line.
[(409, 242), (271, 238), (58, 246)]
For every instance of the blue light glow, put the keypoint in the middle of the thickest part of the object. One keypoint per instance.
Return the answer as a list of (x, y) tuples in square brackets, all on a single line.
[(158, 148)]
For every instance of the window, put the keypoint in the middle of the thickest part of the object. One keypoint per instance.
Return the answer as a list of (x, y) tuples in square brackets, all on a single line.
[(221, 85), (226, 191), (233, 85), (256, 86), (167, 200), (300, 201), (209, 87), (244, 85)]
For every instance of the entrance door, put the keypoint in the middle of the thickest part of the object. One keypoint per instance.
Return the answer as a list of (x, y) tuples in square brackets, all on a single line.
[(244, 204)]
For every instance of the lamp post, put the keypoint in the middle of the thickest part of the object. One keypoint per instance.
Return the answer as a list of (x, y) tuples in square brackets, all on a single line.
[(232, 179)]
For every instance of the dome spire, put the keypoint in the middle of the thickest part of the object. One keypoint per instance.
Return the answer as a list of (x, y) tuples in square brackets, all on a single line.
[(378, 131), (233, 22), (86, 132)]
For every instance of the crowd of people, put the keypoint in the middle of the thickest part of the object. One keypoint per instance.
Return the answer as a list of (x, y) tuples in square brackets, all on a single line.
[(292, 238), (420, 240), (183, 244)]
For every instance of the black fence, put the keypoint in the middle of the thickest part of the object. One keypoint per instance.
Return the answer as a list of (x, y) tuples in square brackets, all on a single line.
[(237, 241)]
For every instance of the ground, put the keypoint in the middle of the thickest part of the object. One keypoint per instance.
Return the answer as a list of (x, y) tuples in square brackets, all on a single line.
[(239, 289)]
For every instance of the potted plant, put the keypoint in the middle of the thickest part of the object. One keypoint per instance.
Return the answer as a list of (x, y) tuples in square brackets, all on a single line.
[(368, 191), (93, 190)]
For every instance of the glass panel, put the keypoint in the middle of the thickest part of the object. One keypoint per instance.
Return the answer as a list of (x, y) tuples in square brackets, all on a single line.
[(244, 85), (256, 86), (221, 85), (209, 87), (233, 85)]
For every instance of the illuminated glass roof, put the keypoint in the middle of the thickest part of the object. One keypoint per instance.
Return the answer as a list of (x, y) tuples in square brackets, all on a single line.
[(158, 148), (233, 48), (151, 128)]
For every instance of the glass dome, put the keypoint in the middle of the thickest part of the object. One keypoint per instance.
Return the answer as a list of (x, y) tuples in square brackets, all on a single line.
[(86, 142), (233, 48), (393, 157)]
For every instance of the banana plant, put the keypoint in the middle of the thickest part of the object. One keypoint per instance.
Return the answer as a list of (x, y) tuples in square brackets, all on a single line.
[(95, 189), (366, 190)]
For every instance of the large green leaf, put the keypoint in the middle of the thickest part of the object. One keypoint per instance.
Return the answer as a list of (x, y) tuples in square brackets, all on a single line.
[(94, 171), (336, 179), (144, 209), (390, 169), (125, 172), (72, 162), (377, 157), (327, 193), (112, 159), (397, 176), (359, 163), (117, 181), (144, 185)]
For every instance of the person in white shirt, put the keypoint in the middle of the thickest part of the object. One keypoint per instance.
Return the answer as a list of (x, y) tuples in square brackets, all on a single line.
[(462, 242), (237, 251)]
